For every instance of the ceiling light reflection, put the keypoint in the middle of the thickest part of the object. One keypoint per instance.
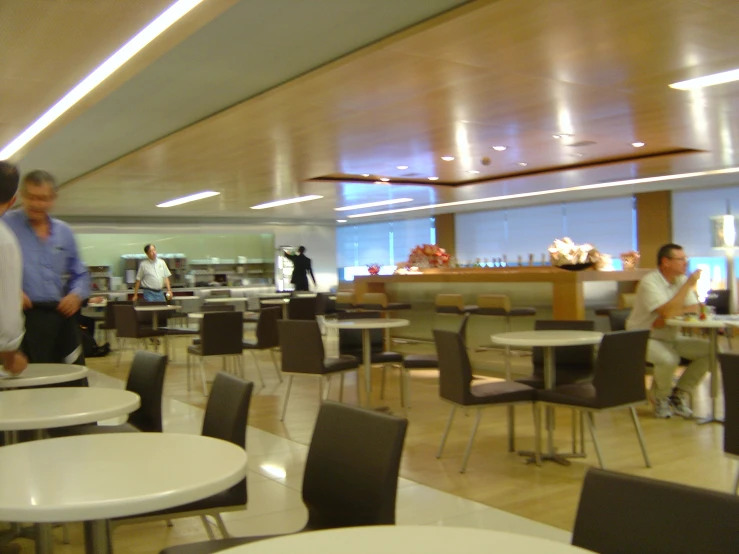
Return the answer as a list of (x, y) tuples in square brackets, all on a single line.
[(373, 204), (708, 80), (285, 202), (189, 198), (278, 472)]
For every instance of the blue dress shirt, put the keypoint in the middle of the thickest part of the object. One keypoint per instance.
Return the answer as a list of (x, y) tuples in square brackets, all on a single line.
[(51, 268)]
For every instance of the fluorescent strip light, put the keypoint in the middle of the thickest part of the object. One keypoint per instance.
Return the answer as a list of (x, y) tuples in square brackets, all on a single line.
[(186, 199), (286, 202), (374, 204), (708, 80), (102, 72), (556, 191)]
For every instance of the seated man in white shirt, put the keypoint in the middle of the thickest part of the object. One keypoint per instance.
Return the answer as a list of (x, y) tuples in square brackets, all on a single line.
[(663, 294), (152, 277)]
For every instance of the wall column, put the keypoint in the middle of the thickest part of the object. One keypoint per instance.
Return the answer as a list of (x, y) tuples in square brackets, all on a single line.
[(446, 236), (653, 224)]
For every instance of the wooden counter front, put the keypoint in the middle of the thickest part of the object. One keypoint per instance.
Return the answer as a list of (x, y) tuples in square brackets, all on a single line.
[(568, 297)]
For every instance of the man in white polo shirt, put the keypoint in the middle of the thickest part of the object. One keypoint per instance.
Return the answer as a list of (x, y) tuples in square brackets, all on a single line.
[(663, 294), (153, 277)]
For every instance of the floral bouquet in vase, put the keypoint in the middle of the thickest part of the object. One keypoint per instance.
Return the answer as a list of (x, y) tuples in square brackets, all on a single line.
[(428, 255), (566, 254), (373, 269)]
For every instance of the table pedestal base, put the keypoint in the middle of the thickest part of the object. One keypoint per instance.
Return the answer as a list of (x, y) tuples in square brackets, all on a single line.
[(97, 537), (561, 459)]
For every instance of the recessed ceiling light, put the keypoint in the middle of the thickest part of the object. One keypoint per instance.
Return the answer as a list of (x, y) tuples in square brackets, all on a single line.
[(561, 136), (384, 179), (341, 221), (285, 202), (402, 167), (165, 20), (708, 80), (380, 183), (522, 164), (499, 148), (557, 136), (433, 178), (189, 198), (473, 171), (365, 174), (447, 158), (637, 144), (373, 204)]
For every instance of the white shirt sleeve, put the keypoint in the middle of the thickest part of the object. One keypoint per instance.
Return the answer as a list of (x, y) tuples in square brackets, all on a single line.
[(165, 270), (11, 303)]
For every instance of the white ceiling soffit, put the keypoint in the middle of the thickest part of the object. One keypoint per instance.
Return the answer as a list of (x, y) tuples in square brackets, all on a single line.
[(252, 47)]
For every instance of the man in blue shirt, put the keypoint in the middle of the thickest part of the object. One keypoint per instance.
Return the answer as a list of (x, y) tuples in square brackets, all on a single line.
[(55, 282)]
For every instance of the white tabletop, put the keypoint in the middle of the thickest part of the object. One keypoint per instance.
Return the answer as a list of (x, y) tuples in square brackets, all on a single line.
[(30, 409), (269, 301), (698, 323), (160, 308), (366, 323), (36, 375), (401, 539), (225, 300), (184, 298), (199, 315), (548, 338), (95, 477)]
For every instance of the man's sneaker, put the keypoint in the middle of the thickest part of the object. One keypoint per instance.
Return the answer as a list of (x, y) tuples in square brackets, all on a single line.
[(662, 408), (679, 406)]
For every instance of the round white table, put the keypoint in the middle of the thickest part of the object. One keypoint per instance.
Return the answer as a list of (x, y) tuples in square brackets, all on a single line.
[(156, 310), (401, 539), (32, 409), (712, 325), (366, 325), (199, 315), (36, 375), (97, 477), (548, 340)]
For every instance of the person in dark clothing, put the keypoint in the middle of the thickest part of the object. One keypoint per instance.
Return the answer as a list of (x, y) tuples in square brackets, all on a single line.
[(301, 269)]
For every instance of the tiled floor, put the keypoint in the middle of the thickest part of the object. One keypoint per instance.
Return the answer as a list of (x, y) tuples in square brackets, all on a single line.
[(275, 475)]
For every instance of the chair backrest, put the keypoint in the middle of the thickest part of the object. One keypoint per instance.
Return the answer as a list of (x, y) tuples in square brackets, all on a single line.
[(569, 357), (617, 318), (226, 417), (449, 303), (110, 311), (302, 308), (373, 300), (455, 371), (350, 340), (730, 374), (126, 322), (322, 303), (208, 308), (493, 304), (622, 513), (351, 473), (301, 346), (719, 299), (619, 369), (146, 378), (267, 335), (222, 333)]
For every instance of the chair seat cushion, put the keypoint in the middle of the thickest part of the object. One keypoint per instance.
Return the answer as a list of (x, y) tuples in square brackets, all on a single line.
[(421, 361), (501, 392), (342, 363), (455, 310), (583, 395)]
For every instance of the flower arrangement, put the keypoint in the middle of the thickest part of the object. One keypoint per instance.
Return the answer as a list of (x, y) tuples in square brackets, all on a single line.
[(428, 255), (564, 252), (373, 269), (630, 259)]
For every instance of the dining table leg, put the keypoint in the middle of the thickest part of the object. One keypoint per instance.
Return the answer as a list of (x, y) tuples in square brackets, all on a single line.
[(367, 362), (44, 542), (713, 369), (97, 537)]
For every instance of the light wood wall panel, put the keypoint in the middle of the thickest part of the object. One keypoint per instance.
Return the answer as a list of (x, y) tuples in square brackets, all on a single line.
[(653, 224)]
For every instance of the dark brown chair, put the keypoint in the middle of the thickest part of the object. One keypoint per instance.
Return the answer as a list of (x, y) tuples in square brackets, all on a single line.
[(221, 334), (303, 354), (108, 323), (623, 513), (267, 338), (302, 308), (145, 378), (344, 301), (347, 482), (617, 318), (618, 383), (455, 386), (209, 308), (226, 416), (730, 378), (128, 328)]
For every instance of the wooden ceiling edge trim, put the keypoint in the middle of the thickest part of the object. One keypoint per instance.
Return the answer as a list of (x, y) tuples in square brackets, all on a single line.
[(505, 176), (127, 222)]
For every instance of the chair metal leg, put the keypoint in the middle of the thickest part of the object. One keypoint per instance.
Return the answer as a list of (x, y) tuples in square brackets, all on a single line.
[(736, 483), (403, 383), (65, 533), (640, 435), (591, 426), (256, 364), (328, 386), (170, 523), (574, 430), (320, 390), (478, 417), (121, 343), (582, 433), (446, 431), (287, 396), (341, 386), (511, 428), (222, 526), (208, 530), (188, 372), (278, 369), (202, 375), (382, 382), (537, 433)]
